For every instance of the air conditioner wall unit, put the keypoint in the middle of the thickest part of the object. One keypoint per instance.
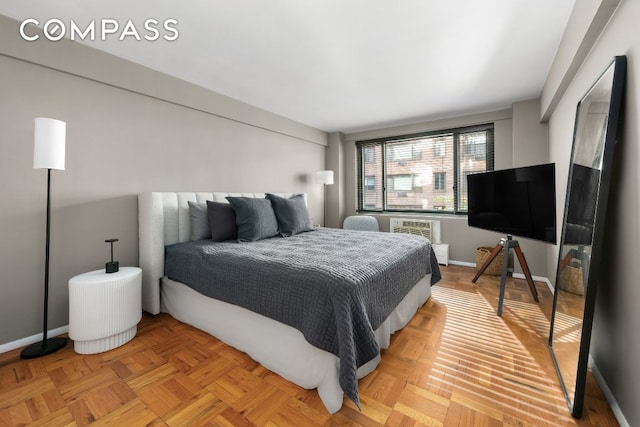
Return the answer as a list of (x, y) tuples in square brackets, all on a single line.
[(428, 228)]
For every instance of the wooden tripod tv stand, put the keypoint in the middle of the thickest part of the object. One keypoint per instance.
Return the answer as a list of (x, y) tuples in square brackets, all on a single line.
[(507, 244)]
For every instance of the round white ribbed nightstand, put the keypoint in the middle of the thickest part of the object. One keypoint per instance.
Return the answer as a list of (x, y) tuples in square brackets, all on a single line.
[(104, 309)]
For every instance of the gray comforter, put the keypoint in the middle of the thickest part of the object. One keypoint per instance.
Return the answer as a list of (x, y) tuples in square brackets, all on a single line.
[(335, 286)]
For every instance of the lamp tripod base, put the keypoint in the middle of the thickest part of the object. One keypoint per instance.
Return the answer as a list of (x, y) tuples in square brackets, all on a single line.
[(506, 245), (43, 348)]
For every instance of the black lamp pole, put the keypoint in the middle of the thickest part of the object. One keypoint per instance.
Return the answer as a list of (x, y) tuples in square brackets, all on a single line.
[(46, 346)]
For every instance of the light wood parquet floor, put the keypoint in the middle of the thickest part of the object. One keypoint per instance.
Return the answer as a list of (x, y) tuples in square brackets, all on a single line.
[(455, 364)]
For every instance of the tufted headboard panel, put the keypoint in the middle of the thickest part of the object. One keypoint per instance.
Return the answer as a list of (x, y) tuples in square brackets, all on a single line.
[(163, 219)]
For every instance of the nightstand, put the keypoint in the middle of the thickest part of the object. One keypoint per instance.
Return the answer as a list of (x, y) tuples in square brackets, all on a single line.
[(104, 309), (442, 252)]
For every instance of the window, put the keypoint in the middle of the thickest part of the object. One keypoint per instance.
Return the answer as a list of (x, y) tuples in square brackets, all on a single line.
[(439, 148), (474, 145), (399, 182), (369, 155), (370, 183), (411, 171), (439, 181), (403, 153)]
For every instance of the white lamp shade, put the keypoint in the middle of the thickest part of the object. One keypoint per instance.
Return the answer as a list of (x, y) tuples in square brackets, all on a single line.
[(49, 143), (324, 177)]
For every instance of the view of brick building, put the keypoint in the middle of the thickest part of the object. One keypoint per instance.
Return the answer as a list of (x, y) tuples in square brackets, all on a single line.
[(420, 173)]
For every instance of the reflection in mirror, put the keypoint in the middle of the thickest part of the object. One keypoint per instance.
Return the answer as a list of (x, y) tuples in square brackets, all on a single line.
[(582, 229)]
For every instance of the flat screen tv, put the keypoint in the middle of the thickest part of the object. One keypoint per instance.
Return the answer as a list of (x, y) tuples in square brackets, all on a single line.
[(519, 201)]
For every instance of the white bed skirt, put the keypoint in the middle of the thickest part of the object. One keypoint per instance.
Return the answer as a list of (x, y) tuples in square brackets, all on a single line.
[(276, 346)]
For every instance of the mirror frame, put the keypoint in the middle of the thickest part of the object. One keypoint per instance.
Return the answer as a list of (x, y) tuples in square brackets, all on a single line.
[(591, 274)]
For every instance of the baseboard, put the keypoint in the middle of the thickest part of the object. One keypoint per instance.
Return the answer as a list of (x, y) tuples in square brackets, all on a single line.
[(462, 263), (515, 275), (468, 264), (613, 403), (32, 339), (536, 279)]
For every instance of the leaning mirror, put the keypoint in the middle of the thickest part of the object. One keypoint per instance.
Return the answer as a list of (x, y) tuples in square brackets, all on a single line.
[(581, 242)]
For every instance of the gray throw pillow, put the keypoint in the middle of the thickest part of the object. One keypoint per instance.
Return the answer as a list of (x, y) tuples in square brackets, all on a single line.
[(222, 221), (254, 217), (199, 221), (291, 213)]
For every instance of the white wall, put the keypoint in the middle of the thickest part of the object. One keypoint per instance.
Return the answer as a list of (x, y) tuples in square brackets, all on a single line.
[(129, 129), (530, 137)]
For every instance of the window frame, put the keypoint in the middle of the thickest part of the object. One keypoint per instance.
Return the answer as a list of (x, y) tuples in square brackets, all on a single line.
[(458, 153)]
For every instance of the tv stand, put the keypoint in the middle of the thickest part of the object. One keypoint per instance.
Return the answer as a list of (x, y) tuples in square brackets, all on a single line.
[(507, 244)]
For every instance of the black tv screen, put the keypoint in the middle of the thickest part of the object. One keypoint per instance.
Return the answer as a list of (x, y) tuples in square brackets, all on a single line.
[(519, 201)]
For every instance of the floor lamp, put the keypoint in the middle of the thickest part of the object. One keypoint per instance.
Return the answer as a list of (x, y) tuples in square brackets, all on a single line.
[(325, 178), (48, 153)]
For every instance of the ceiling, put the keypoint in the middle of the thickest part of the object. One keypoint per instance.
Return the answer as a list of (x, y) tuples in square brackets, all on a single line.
[(339, 65)]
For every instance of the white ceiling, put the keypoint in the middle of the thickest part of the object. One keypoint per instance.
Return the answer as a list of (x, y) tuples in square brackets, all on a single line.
[(340, 65)]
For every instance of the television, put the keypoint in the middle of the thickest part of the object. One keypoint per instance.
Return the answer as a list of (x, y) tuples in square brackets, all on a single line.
[(518, 201)]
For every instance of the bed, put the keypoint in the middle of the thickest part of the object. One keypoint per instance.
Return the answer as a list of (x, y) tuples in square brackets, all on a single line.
[(330, 367)]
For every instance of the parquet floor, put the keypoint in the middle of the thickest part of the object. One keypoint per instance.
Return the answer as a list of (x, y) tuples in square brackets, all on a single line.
[(455, 364)]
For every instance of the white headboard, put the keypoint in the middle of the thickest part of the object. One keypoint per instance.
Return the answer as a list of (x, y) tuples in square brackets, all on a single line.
[(163, 219)]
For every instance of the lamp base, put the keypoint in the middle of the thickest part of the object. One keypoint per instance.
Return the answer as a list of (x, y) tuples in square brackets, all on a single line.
[(112, 267), (43, 348)]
